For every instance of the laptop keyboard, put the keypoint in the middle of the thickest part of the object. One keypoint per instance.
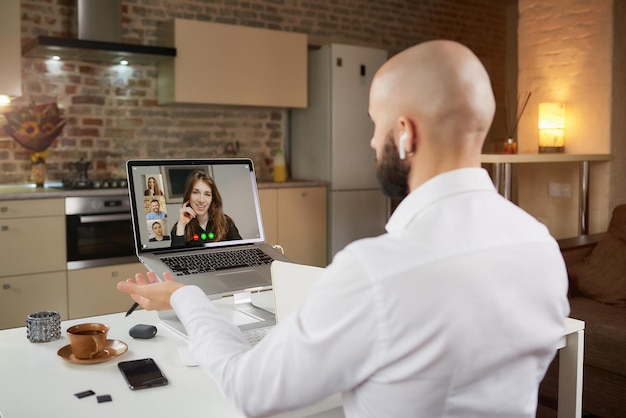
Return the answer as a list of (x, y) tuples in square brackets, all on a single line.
[(255, 335), (183, 265)]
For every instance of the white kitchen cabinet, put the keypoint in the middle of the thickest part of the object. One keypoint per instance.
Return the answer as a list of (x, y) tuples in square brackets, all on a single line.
[(268, 199), (10, 49), (296, 218), (302, 224), (93, 291), (232, 65), (32, 259), (21, 295), (31, 208), (32, 236)]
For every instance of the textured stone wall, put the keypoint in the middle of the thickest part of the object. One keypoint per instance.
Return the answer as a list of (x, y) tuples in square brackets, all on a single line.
[(617, 191), (567, 54), (112, 112)]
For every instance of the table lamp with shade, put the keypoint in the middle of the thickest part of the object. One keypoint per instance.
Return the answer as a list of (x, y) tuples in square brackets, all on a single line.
[(551, 127)]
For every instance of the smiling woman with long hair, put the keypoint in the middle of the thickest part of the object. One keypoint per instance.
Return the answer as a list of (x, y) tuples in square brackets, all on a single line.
[(153, 188), (201, 218)]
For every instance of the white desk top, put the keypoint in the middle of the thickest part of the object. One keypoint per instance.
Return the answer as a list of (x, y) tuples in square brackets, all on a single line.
[(572, 326), (35, 382)]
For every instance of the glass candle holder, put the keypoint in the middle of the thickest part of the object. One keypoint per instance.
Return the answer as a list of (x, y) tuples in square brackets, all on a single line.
[(43, 327), (510, 146)]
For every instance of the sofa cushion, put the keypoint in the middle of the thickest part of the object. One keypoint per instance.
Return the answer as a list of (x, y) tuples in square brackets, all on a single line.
[(602, 275), (605, 334)]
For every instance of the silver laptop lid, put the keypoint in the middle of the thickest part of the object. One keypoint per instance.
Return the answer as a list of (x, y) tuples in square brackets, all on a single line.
[(156, 194)]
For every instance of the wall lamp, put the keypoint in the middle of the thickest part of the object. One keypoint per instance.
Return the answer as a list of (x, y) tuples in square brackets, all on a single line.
[(551, 127)]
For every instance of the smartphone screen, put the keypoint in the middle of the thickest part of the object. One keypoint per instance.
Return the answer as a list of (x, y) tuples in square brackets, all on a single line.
[(141, 374)]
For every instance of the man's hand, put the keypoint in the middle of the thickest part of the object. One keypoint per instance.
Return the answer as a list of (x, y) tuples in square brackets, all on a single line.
[(153, 297)]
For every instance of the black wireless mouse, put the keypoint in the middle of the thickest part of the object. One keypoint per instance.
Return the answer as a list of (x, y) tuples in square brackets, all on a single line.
[(143, 331)]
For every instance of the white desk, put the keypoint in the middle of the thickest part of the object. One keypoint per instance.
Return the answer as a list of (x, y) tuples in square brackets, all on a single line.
[(571, 353), (35, 382)]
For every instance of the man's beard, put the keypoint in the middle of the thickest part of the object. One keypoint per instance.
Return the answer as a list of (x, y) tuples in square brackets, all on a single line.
[(392, 172)]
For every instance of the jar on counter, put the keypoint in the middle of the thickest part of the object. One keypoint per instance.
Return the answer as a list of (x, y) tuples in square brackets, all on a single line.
[(280, 168)]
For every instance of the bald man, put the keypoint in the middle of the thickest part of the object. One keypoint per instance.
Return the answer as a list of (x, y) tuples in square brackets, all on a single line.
[(455, 312)]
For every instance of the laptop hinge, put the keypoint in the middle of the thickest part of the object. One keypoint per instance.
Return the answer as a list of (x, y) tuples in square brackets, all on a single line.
[(243, 303)]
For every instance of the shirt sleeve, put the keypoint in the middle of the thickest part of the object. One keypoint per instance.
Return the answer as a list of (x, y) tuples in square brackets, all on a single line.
[(177, 240), (233, 232), (328, 346)]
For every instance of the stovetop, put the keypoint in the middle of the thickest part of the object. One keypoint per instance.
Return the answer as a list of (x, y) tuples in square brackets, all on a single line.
[(89, 184)]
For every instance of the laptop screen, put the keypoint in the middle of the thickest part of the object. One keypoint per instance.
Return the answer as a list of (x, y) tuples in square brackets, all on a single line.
[(215, 201)]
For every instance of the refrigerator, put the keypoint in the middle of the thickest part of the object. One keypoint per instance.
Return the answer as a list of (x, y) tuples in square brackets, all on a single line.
[(330, 141)]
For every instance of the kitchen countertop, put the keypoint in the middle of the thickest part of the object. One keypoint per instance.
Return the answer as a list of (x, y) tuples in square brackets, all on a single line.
[(54, 190)]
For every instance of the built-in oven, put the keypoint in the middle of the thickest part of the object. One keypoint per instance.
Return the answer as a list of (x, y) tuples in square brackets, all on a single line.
[(99, 231)]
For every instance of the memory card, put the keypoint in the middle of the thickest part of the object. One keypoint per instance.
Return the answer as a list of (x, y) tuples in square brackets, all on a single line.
[(104, 398), (84, 394)]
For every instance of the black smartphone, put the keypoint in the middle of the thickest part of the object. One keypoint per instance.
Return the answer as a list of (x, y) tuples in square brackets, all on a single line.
[(141, 374)]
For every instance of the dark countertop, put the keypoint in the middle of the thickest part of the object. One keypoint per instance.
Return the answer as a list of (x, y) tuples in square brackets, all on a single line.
[(54, 190)]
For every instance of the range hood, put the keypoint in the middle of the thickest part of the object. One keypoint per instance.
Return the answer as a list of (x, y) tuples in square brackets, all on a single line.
[(99, 39), (95, 51)]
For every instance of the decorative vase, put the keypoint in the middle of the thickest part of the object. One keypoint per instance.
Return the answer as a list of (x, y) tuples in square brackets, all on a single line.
[(38, 173)]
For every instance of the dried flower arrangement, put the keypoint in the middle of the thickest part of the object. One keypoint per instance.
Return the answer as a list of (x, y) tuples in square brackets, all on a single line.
[(35, 127)]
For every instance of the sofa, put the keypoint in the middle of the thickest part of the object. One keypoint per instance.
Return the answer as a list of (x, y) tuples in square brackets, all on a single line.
[(596, 267)]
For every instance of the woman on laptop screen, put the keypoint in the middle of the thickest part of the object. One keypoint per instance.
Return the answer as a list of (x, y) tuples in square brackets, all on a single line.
[(201, 218), (154, 189)]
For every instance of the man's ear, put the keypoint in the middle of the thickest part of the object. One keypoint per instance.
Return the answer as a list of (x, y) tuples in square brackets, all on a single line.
[(407, 138)]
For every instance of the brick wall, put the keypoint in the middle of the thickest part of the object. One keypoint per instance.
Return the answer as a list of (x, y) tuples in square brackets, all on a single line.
[(112, 112)]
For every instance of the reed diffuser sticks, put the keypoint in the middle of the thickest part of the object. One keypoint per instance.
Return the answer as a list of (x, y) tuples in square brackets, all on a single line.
[(512, 119)]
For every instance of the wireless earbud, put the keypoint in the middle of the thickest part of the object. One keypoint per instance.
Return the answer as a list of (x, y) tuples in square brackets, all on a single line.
[(401, 150)]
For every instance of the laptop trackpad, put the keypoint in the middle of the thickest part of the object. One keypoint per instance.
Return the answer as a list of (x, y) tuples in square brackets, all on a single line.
[(243, 279)]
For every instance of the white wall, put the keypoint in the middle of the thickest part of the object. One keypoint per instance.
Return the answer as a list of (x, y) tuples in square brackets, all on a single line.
[(565, 50)]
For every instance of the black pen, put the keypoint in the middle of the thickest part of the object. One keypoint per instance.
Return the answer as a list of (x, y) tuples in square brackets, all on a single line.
[(132, 308)]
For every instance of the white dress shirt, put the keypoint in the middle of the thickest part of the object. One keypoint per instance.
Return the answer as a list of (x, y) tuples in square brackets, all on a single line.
[(455, 312)]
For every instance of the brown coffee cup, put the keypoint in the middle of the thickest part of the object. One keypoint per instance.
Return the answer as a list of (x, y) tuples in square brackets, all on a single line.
[(88, 340)]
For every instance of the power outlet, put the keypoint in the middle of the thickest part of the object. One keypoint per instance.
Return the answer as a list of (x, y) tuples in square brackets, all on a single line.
[(560, 190)]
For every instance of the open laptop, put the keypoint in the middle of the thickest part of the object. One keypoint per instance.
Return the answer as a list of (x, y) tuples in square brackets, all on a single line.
[(157, 191)]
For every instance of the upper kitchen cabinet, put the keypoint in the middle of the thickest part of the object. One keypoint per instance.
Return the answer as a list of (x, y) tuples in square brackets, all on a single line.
[(10, 49), (232, 65)]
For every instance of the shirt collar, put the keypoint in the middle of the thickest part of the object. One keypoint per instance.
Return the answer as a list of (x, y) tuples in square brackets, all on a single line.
[(462, 180)]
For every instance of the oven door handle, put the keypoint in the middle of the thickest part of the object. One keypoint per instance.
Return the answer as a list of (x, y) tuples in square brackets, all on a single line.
[(90, 219)]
